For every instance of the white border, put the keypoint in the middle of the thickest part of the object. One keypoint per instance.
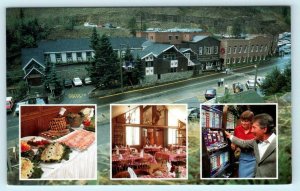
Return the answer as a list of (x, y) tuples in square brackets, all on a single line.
[(157, 179), (277, 135), (59, 105)]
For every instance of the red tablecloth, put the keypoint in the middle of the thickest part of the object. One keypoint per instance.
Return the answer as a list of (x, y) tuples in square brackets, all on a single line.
[(169, 156)]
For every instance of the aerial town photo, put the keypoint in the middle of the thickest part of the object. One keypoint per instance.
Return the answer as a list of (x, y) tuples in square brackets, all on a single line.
[(150, 60)]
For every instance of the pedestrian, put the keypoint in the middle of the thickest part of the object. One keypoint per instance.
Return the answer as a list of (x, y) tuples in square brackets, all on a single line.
[(246, 159), (219, 82), (222, 81), (263, 145), (226, 88)]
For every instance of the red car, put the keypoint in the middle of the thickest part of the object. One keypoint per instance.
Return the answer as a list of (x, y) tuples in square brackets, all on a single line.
[(9, 104)]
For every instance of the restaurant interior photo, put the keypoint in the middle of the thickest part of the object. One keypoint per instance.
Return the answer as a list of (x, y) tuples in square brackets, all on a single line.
[(149, 141), (58, 142)]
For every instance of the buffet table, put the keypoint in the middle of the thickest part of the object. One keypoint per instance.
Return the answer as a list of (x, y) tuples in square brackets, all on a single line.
[(82, 163)]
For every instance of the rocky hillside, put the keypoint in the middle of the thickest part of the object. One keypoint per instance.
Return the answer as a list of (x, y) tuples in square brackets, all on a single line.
[(213, 19)]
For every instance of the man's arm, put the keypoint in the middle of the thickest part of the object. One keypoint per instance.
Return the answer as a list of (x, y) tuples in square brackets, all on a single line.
[(239, 142)]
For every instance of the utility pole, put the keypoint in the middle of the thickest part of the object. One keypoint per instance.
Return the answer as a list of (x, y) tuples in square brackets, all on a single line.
[(255, 80), (121, 68)]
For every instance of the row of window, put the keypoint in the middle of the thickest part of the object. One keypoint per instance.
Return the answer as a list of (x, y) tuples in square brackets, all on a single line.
[(208, 50), (247, 49), (69, 57), (133, 136), (244, 59)]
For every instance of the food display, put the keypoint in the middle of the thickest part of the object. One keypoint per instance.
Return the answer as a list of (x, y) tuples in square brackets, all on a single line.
[(54, 152), (29, 169), (41, 156), (57, 127), (80, 139)]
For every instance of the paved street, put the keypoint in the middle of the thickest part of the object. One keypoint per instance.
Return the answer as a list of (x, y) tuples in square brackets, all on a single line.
[(186, 91)]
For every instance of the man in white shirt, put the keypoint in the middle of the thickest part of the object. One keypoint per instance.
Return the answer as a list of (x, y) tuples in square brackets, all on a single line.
[(264, 145)]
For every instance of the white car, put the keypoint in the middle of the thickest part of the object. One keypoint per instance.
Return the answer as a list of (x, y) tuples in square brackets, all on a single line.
[(260, 80), (250, 84), (17, 110), (77, 82)]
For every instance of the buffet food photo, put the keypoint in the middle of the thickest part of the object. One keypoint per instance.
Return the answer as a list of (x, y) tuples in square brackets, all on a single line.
[(58, 142)]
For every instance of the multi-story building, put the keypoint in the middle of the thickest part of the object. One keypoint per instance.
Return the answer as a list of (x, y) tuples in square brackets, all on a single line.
[(67, 52), (254, 48), (173, 36)]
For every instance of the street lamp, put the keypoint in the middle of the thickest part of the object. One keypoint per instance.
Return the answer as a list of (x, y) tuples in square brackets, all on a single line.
[(255, 79), (121, 68)]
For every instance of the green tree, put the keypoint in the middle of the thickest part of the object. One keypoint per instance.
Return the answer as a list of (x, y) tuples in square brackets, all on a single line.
[(94, 39), (105, 67), (287, 73), (70, 24), (138, 72), (51, 79), (132, 26), (21, 90), (275, 82)]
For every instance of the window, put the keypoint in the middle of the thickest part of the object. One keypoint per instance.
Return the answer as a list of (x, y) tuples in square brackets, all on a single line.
[(234, 50), (239, 60), (245, 59), (229, 50), (228, 60), (132, 135), (266, 48), (200, 50), (69, 57), (79, 56), (172, 133), (151, 37), (251, 59), (170, 37), (245, 50), (261, 48), (149, 64), (88, 55), (176, 37), (240, 50), (252, 49), (256, 48), (216, 50), (58, 57), (207, 50), (233, 60)]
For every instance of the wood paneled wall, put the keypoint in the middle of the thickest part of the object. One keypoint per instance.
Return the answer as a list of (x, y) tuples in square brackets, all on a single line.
[(35, 119)]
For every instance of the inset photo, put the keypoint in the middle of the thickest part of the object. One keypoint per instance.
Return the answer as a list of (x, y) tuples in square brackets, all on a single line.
[(239, 141), (58, 142), (149, 141)]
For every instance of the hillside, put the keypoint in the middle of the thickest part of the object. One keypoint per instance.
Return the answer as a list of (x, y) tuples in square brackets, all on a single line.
[(213, 19)]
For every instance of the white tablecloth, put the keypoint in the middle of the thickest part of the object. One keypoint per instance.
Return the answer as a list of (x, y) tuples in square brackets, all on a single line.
[(81, 165)]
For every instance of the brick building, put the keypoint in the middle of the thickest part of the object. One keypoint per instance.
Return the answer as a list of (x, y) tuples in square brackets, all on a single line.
[(252, 49)]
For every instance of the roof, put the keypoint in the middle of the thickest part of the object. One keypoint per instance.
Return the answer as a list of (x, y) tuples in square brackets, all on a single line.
[(249, 96), (185, 49), (32, 53), (155, 49), (74, 45), (65, 45), (198, 38), (124, 42)]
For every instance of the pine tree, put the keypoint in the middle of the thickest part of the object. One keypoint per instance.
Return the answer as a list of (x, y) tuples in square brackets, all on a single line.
[(94, 39), (138, 72), (105, 67)]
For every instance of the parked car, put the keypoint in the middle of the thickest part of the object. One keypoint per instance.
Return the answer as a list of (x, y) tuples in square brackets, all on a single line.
[(250, 84), (237, 87), (68, 83), (87, 80), (210, 93), (17, 110), (77, 82), (260, 80), (34, 100), (9, 104)]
